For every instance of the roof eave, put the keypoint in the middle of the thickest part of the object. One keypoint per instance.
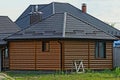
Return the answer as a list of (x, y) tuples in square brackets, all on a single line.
[(60, 38)]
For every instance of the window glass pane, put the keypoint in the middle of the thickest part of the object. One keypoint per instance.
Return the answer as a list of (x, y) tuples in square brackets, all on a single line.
[(6, 52), (45, 46), (96, 49), (104, 49), (101, 49)]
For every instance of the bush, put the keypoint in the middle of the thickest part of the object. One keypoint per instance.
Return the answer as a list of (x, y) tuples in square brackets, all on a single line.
[(117, 71)]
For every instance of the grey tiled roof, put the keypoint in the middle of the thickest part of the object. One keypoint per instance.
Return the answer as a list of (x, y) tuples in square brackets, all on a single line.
[(7, 27), (56, 7), (65, 7), (62, 25), (24, 20), (50, 27), (77, 28)]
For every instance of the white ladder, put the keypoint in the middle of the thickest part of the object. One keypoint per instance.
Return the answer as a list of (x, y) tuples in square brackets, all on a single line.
[(78, 64)]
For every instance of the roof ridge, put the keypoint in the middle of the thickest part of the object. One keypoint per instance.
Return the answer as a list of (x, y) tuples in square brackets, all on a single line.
[(53, 5), (59, 2), (64, 23), (91, 25)]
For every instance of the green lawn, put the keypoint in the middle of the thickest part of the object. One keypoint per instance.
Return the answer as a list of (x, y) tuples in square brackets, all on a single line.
[(102, 75)]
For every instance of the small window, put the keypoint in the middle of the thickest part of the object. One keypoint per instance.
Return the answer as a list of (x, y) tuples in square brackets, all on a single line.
[(45, 46), (6, 52), (100, 49)]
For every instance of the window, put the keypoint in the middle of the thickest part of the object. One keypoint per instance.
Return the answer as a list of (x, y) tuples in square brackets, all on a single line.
[(45, 46), (100, 49), (6, 52)]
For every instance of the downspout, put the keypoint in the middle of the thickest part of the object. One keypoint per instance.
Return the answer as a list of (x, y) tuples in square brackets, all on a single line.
[(113, 57), (61, 43), (88, 55), (61, 56)]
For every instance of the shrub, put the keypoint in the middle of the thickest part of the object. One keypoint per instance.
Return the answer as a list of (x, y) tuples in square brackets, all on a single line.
[(117, 71)]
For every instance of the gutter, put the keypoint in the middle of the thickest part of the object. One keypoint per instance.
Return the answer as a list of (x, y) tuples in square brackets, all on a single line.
[(61, 56)]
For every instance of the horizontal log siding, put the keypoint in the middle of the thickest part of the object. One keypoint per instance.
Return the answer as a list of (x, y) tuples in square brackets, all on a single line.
[(22, 55), (103, 63), (48, 60), (75, 50), (28, 55)]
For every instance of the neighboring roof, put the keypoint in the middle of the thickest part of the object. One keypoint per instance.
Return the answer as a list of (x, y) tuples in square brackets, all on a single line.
[(7, 27), (61, 25), (55, 7)]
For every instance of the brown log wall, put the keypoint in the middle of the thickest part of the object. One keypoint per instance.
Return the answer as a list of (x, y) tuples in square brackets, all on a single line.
[(105, 63), (75, 50), (85, 50), (28, 55), (48, 60)]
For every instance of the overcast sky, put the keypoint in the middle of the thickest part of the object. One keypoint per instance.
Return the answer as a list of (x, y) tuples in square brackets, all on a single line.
[(106, 10)]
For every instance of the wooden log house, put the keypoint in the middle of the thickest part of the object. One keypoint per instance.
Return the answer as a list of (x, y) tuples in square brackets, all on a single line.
[(61, 34)]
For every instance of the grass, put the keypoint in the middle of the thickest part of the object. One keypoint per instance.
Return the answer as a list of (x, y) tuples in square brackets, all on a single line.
[(31, 75)]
